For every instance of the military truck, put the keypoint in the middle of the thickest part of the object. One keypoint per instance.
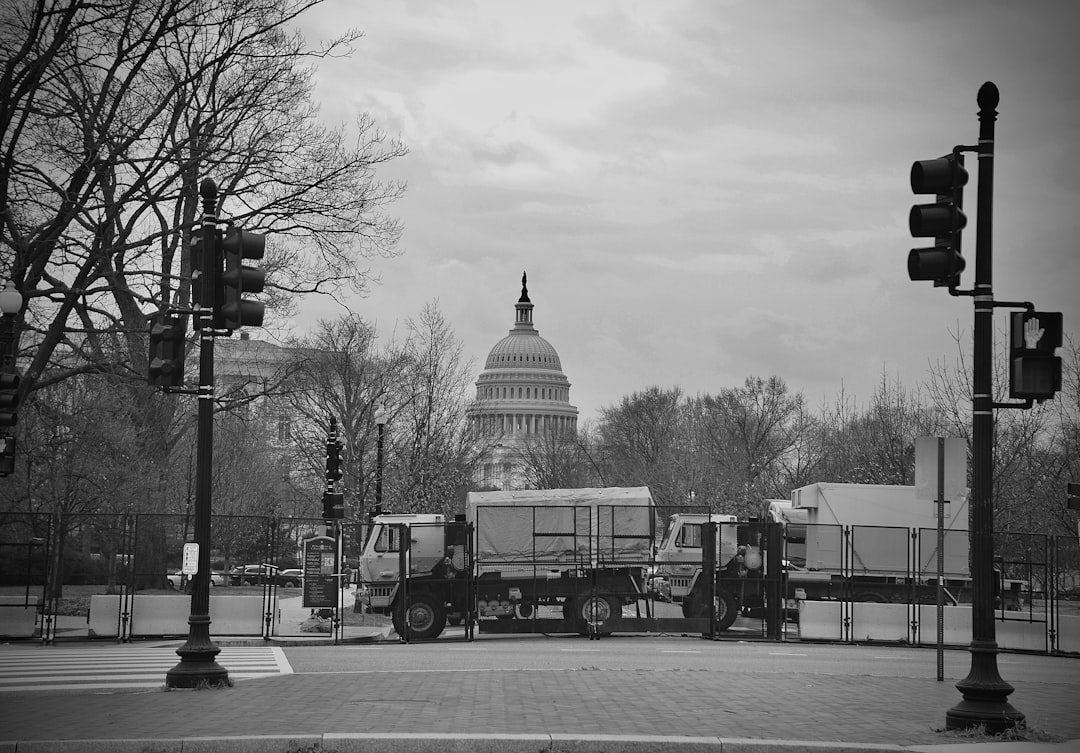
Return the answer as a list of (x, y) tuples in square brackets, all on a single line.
[(579, 554)]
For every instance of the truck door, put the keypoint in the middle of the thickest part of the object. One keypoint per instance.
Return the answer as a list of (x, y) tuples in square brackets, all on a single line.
[(380, 560)]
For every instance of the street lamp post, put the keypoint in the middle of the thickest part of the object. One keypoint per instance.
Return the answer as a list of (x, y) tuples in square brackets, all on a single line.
[(197, 667)]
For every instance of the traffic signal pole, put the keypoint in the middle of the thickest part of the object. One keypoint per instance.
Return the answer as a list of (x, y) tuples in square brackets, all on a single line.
[(197, 667), (985, 693)]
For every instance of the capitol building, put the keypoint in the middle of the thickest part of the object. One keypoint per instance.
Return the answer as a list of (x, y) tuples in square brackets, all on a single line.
[(522, 396)]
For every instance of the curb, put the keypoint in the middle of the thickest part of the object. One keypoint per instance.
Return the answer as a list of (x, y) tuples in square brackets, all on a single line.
[(439, 743), (525, 743)]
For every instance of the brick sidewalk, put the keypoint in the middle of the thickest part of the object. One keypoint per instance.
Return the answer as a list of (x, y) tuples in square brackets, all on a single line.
[(854, 709)]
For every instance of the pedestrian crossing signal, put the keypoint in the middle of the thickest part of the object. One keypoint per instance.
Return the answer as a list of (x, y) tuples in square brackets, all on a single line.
[(1034, 370)]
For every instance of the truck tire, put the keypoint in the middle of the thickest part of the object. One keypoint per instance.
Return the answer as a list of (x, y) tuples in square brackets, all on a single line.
[(427, 618), (726, 608), (599, 609)]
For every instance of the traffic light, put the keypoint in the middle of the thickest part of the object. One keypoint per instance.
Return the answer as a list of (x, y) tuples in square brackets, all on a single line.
[(1073, 501), (943, 220), (7, 454), (238, 279), (9, 398), (1034, 370), (333, 460), (206, 291), (166, 368), (333, 505)]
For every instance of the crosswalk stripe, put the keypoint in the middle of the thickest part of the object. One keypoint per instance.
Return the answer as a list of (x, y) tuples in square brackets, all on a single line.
[(120, 667)]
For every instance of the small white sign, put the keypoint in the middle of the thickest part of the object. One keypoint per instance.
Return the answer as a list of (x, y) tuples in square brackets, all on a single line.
[(926, 468), (191, 558)]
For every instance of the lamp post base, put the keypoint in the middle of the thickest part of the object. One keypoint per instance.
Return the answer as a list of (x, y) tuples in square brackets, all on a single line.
[(197, 668), (994, 716), (985, 695)]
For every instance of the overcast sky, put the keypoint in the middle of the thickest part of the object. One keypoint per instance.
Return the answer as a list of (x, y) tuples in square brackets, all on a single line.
[(704, 191)]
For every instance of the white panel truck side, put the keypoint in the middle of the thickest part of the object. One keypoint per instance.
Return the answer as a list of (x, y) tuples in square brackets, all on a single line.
[(582, 551)]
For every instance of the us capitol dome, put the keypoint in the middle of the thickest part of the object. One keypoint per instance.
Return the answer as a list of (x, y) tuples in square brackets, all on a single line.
[(521, 395)]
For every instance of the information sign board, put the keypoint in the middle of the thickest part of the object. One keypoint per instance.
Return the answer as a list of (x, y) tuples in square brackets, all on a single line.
[(320, 568)]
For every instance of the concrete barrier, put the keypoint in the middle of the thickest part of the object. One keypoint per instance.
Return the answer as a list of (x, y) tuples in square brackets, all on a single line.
[(18, 616), (154, 615), (822, 621), (871, 621), (1068, 633)]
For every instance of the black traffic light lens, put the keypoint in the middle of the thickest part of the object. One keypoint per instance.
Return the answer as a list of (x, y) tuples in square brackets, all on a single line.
[(937, 176), (935, 220), (936, 263)]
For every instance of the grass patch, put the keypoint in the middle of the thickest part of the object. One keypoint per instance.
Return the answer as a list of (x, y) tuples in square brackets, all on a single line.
[(1019, 733)]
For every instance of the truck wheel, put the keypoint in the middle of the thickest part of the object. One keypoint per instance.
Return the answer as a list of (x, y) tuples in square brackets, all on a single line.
[(427, 618), (597, 609), (726, 608)]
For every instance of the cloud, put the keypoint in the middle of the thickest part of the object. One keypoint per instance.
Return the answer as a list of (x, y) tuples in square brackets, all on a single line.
[(705, 190)]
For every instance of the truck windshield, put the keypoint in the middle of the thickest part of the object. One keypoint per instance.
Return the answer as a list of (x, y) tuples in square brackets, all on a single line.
[(685, 534), (389, 538), (689, 535)]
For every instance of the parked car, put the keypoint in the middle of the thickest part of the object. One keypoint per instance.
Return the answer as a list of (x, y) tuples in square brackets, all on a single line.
[(173, 580), (292, 577), (254, 575)]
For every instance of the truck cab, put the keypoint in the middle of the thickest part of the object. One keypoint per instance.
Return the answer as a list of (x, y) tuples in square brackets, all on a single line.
[(679, 556)]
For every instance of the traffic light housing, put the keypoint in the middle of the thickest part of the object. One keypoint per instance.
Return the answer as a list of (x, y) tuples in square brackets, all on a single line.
[(7, 454), (206, 292), (166, 366), (1034, 370), (943, 220), (9, 398), (333, 505), (333, 460), (238, 279), (1073, 499)]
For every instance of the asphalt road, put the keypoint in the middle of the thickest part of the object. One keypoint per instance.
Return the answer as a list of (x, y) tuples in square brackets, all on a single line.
[(540, 652)]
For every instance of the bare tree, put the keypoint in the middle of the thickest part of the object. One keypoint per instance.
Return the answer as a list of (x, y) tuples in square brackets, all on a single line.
[(342, 373), (749, 430), (555, 460), (640, 441), (112, 113), (433, 456)]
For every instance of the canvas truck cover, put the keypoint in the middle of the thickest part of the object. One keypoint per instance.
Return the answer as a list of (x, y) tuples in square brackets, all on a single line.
[(559, 528), (880, 518)]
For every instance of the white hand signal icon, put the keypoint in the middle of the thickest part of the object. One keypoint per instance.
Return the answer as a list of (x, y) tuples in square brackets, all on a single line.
[(1032, 333)]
